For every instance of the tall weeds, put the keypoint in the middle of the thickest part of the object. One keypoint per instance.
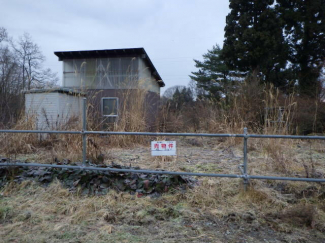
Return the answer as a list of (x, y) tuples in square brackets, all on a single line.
[(279, 111), (12, 144), (261, 108), (133, 117)]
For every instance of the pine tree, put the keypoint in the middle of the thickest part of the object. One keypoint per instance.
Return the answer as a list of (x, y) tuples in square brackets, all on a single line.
[(214, 76), (254, 41), (304, 25), (181, 98)]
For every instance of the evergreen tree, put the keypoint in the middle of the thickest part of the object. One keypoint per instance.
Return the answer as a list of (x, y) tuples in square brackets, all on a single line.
[(181, 98), (214, 76), (254, 41), (304, 25)]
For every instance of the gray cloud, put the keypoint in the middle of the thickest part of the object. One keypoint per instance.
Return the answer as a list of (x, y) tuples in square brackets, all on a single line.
[(173, 32)]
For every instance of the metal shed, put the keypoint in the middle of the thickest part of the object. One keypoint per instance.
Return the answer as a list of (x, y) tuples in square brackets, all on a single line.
[(53, 108)]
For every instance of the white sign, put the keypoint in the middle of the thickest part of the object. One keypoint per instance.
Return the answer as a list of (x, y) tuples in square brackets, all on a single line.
[(162, 148)]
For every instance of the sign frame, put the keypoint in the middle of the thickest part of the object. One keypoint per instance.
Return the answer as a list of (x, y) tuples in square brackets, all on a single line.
[(163, 148)]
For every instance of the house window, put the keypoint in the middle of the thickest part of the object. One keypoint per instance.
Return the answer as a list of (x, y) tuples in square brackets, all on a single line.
[(110, 107)]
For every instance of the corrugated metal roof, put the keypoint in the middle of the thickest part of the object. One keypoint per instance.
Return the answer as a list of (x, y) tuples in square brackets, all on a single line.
[(126, 52)]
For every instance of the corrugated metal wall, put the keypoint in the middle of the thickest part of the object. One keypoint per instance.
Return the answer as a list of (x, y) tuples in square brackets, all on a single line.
[(108, 73), (101, 73)]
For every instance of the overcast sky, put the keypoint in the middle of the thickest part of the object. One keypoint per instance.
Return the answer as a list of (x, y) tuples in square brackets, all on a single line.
[(173, 32)]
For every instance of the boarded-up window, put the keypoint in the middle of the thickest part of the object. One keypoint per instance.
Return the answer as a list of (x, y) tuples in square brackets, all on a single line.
[(110, 107)]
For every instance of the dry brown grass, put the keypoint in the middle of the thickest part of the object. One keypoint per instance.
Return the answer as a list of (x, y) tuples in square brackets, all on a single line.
[(13, 144), (53, 214), (133, 118), (248, 110), (282, 207), (289, 209)]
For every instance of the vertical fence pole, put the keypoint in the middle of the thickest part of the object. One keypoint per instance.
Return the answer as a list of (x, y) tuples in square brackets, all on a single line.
[(84, 128), (245, 159)]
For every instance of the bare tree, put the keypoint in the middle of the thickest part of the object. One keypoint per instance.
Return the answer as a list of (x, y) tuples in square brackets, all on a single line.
[(30, 60), (20, 69), (10, 99), (3, 34)]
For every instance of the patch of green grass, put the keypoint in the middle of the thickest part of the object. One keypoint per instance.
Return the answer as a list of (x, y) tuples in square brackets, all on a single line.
[(202, 168), (215, 168), (5, 212), (164, 213), (27, 157), (121, 237), (66, 235)]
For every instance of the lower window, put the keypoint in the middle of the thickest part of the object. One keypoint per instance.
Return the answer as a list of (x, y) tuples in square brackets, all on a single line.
[(110, 106)]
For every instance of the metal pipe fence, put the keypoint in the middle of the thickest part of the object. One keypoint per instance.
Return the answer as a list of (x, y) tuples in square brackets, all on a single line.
[(243, 167)]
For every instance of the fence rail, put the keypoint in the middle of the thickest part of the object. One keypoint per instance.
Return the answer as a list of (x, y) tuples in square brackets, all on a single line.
[(243, 167)]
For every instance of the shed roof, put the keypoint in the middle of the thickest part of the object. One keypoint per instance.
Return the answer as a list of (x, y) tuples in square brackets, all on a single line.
[(126, 52), (56, 90)]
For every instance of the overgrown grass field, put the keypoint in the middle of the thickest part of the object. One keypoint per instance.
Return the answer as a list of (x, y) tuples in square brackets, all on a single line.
[(214, 210)]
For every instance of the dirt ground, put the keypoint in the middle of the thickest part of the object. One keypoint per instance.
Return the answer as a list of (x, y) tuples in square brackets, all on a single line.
[(216, 210)]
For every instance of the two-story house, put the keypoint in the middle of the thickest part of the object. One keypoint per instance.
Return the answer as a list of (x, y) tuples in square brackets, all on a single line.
[(106, 77)]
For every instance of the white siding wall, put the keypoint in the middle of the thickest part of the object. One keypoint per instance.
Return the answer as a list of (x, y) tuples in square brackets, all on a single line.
[(146, 81), (52, 110), (69, 106), (44, 106)]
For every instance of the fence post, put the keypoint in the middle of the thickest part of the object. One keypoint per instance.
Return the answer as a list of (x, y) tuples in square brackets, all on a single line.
[(245, 159), (84, 128)]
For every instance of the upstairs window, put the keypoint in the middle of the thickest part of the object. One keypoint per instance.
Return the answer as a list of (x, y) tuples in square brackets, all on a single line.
[(110, 106)]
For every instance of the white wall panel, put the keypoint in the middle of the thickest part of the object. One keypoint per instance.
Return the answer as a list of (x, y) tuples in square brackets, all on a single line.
[(69, 106), (44, 107), (52, 110)]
